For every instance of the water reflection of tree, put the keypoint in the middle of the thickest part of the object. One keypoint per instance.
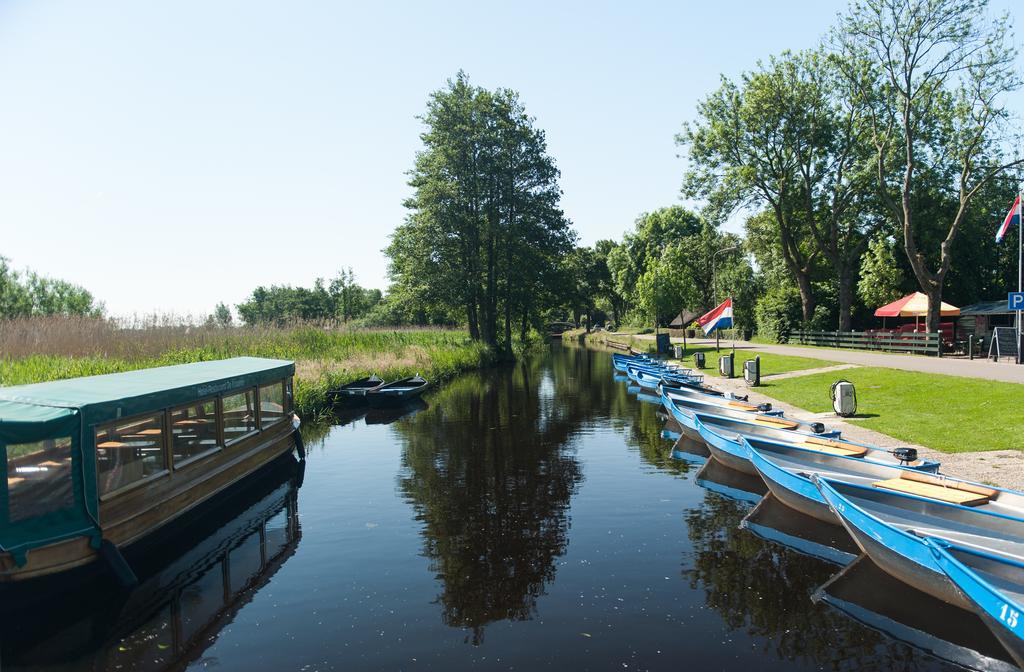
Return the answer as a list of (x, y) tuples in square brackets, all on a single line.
[(765, 589), (490, 470)]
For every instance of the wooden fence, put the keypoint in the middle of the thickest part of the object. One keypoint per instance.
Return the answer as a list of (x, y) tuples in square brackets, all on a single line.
[(921, 343)]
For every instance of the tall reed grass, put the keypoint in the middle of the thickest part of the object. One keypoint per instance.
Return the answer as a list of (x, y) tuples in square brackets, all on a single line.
[(326, 354)]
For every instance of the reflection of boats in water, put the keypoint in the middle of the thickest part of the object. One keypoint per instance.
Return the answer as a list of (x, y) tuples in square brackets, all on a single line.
[(385, 415), (869, 595), (690, 449), (181, 603), (774, 521), (717, 477), (346, 415)]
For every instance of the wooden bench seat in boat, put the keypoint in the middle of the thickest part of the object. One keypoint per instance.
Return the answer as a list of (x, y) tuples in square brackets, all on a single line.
[(833, 447), (953, 493), (776, 422), (741, 406)]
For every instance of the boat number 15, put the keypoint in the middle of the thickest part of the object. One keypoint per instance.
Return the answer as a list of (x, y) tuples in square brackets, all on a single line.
[(1009, 616)]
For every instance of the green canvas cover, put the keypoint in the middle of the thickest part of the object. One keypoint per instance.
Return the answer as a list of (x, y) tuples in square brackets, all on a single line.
[(71, 408)]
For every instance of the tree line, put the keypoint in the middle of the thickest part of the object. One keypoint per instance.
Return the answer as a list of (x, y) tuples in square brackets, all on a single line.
[(340, 299), (25, 294), (864, 167), (879, 157)]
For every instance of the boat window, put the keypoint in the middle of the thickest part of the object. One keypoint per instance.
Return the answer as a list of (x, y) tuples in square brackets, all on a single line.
[(288, 396), (193, 431), (271, 404), (130, 451), (38, 478), (239, 415)]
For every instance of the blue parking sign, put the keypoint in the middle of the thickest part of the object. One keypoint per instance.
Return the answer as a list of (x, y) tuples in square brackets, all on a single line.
[(1015, 301)]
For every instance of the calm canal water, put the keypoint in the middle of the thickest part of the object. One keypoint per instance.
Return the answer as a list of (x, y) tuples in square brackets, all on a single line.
[(521, 518)]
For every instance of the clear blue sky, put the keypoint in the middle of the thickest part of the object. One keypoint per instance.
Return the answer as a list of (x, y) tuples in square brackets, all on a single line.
[(171, 155)]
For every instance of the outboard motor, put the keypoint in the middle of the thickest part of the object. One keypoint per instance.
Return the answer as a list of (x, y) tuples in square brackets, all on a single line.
[(698, 360), (844, 398), (905, 455)]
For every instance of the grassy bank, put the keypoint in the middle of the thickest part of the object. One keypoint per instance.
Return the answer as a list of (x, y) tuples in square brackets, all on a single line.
[(948, 413), (325, 356)]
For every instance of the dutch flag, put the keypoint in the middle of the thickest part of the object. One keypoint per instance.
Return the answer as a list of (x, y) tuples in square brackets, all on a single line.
[(719, 318), (1012, 217)]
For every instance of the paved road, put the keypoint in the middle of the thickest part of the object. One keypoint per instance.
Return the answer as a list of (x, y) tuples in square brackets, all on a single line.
[(978, 368)]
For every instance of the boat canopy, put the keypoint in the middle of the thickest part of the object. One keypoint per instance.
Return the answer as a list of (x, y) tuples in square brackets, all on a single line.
[(47, 439)]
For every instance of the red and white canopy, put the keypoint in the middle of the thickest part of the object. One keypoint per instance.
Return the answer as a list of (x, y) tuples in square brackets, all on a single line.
[(914, 305)]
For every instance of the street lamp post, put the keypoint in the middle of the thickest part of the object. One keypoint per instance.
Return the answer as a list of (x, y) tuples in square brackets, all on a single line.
[(714, 283)]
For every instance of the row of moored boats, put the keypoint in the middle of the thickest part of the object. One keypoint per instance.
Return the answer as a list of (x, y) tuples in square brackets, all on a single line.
[(374, 391), (959, 541)]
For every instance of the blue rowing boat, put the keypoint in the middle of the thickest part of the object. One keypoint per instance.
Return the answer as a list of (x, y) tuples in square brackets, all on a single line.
[(890, 519), (993, 585), (786, 470), (737, 409), (723, 436)]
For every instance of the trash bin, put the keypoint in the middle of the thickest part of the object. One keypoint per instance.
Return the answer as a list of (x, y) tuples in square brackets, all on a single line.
[(752, 372), (663, 344), (725, 366)]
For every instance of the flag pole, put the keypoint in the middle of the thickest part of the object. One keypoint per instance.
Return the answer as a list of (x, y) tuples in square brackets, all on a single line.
[(1020, 256)]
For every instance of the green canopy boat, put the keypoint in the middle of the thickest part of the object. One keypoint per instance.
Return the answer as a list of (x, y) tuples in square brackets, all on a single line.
[(101, 461)]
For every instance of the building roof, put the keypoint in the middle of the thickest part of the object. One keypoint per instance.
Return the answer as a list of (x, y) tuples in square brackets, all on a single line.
[(987, 308), (683, 319)]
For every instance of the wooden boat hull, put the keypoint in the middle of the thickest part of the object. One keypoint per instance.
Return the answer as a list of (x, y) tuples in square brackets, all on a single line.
[(1003, 614), (897, 553), (133, 515)]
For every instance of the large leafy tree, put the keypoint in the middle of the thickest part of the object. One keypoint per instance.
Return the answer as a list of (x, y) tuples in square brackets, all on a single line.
[(608, 293), (932, 73), (484, 233), (633, 264), (786, 140), (881, 277)]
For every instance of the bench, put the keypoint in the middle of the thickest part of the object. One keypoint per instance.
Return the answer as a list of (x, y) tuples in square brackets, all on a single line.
[(951, 493), (833, 447), (777, 423)]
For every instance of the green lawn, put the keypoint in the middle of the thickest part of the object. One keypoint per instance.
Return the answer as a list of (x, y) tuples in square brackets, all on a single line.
[(948, 413), (770, 363)]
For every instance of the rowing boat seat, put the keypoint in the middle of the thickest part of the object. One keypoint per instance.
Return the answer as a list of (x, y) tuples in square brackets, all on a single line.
[(952, 493), (741, 406), (776, 422), (833, 447)]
